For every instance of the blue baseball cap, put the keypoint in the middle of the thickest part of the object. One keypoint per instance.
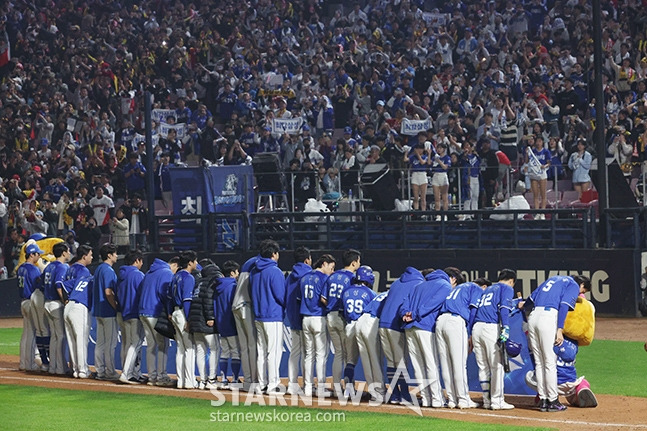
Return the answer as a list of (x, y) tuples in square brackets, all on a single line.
[(348, 130), (306, 128), (33, 248)]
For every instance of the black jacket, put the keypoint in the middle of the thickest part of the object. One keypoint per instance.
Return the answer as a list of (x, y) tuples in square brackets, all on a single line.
[(202, 304)]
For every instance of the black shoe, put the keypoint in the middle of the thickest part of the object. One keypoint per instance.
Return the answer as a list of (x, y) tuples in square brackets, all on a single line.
[(543, 405), (556, 406)]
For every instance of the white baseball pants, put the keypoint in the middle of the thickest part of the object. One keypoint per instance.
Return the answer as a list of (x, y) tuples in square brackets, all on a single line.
[(204, 343), (244, 317), (185, 356), (156, 350), (77, 330), (315, 340), (542, 328), (451, 338), (54, 314), (421, 345), (370, 350), (104, 352), (28, 338), (269, 336)]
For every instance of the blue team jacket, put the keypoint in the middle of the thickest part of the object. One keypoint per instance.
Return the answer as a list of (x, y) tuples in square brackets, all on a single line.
[(154, 289), (222, 300), (267, 287), (292, 306), (128, 291), (399, 290), (425, 300)]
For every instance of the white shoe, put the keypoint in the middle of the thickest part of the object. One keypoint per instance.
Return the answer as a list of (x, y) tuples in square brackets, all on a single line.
[(450, 405), (294, 389), (470, 405), (438, 218), (503, 406)]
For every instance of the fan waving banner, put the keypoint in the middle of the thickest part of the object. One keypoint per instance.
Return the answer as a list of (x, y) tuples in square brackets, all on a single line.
[(291, 126), (413, 127)]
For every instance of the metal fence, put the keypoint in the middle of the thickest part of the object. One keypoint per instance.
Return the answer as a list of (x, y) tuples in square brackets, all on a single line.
[(487, 229)]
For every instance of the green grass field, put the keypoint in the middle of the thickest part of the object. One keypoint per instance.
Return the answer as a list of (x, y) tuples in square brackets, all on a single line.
[(610, 366), (29, 408), (614, 367), (10, 341)]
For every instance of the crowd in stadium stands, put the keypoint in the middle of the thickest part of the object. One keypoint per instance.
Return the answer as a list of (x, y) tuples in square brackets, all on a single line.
[(492, 77)]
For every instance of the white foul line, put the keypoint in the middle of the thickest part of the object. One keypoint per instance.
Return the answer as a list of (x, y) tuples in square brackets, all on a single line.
[(476, 413)]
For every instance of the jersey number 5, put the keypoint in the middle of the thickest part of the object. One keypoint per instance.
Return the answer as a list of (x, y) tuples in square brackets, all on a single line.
[(548, 285)]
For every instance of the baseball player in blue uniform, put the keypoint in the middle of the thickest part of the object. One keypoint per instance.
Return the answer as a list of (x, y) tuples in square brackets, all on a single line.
[(549, 305), (153, 292), (132, 332), (354, 298), (453, 329), (77, 289), (54, 274), (29, 280), (370, 348), (419, 312), (492, 329), (244, 315), (104, 309), (303, 260), (225, 323), (77, 323), (267, 288), (181, 290), (39, 318), (313, 309), (392, 334), (337, 282)]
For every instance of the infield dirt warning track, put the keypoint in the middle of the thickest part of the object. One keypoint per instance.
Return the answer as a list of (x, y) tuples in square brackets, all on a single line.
[(613, 412)]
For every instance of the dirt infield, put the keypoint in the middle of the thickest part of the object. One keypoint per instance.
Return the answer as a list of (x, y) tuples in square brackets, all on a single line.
[(613, 412)]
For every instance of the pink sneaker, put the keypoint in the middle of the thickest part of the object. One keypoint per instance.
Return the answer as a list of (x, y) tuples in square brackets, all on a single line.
[(585, 396)]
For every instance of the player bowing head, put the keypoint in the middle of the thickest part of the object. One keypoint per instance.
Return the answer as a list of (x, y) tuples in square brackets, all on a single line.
[(584, 282), (455, 275)]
